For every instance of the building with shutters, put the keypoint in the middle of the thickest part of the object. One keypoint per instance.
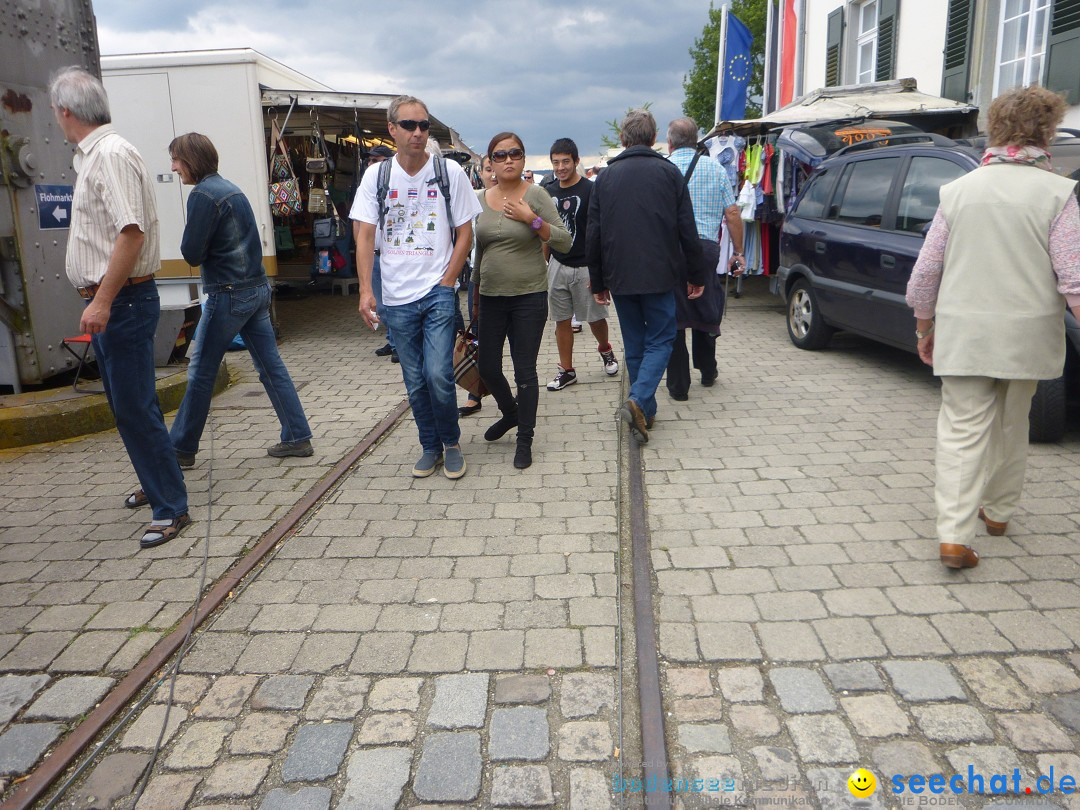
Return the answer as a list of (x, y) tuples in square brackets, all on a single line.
[(966, 50)]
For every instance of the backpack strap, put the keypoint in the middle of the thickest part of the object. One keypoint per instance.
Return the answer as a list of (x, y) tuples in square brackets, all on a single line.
[(693, 164), (382, 190), (443, 181)]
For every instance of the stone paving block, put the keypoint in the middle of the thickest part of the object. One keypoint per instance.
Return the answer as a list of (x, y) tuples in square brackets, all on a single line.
[(305, 798), (227, 696), (439, 652), (585, 741), (741, 684), (553, 648), (1044, 675), (717, 769), (146, 728), (688, 682), (283, 692), (849, 638), (589, 790), (1034, 732), (968, 634), (376, 778), (952, 723), (173, 791), (16, 691), (270, 653), (449, 768), (713, 738), (1030, 630), (395, 694), (89, 652), (496, 649), (382, 652), (339, 697), (521, 786), (199, 745), (355, 618), (754, 721), (1066, 709), (189, 689), (822, 738), (262, 733), (519, 733), (585, 694), (113, 779), (789, 606), (388, 727), (858, 602), (904, 757), (678, 642), (789, 641), (69, 698), (215, 652), (460, 701), (875, 715), (124, 615), (992, 684), (21, 745), (727, 641), (920, 681), (522, 689), (910, 635), (322, 652), (58, 617), (235, 778), (801, 690), (317, 752), (982, 759), (718, 608), (775, 764), (855, 677)]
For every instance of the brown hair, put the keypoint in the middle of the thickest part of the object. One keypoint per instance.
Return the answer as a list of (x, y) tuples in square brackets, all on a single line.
[(1025, 116), (502, 136), (197, 151)]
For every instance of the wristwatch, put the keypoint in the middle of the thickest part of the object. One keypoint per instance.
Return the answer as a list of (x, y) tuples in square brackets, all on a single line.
[(920, 335), (537, 224)]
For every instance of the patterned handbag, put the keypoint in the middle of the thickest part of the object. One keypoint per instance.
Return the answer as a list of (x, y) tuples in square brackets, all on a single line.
[(466, 372), (284, 191)]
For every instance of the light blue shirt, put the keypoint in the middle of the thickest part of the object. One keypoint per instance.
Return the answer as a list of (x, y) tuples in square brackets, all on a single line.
[(710, 191)]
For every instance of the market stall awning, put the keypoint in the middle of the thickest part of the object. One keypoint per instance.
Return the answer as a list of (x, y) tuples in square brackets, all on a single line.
[(336, 112), (897, 100)]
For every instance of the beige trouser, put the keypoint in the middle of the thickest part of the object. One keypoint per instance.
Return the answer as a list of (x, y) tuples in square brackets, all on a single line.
[(982, 444)]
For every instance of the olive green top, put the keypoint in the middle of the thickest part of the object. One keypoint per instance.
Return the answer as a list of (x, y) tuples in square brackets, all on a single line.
[(509, 258)]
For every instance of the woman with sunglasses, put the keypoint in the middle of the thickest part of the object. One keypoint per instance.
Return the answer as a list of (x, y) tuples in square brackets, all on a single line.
[(517, 219)]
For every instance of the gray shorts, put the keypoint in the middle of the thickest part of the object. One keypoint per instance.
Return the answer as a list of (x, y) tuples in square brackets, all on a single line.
[(569, 294)]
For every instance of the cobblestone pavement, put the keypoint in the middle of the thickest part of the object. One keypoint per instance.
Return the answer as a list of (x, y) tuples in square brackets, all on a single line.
[(426, 643)]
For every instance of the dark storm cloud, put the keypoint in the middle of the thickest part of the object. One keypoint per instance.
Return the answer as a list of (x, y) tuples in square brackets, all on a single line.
[(544, 68)]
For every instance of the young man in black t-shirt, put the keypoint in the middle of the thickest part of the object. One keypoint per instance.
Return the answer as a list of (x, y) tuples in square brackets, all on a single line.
[(568, 273)]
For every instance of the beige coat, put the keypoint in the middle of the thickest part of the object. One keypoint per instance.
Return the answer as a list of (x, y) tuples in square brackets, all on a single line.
[(999, 313)]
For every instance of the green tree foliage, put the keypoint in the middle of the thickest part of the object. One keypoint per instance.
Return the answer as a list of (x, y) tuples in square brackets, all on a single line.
[(700, 83), (610, 139)]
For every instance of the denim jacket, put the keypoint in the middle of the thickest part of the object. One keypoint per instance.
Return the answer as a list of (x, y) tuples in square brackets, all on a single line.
[(222, 237)]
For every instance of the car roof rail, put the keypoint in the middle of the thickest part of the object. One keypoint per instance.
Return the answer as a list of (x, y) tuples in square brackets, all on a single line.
[(1068, 131), (932, 137)]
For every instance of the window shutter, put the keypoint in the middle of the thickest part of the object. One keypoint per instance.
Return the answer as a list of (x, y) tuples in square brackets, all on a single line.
[(888, 19), (1063, 60), (833, 40), (958, 27)]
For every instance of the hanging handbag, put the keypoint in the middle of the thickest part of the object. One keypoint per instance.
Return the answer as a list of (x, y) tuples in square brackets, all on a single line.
[(284, 191), (466, 371), (317, 201), (283, 238)]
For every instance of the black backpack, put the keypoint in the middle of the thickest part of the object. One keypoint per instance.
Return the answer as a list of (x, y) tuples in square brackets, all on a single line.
[(441, 180)]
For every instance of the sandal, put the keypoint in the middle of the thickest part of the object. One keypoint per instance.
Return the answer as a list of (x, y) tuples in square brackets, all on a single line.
[(136, 499), (156, 535)]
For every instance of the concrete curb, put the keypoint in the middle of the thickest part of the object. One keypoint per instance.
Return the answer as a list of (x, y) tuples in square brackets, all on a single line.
[(40, 418)]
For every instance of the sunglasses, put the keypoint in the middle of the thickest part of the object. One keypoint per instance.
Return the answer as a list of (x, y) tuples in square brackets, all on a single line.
[(410, 125), (507, 154)]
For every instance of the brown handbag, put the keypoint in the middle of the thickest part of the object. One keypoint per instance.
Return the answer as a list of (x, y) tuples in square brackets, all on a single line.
[(466, 371)]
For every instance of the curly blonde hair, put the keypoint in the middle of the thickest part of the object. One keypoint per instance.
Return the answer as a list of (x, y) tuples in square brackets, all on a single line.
[(1025, 116)]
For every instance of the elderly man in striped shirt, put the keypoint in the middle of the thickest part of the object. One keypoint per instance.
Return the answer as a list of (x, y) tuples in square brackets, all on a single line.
[(112, 255)]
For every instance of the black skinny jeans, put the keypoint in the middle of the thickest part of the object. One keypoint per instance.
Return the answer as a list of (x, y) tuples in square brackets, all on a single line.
[(519, 319)]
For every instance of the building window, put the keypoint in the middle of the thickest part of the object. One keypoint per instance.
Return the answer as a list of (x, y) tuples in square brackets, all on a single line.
[(866, 19), (1021, 43)]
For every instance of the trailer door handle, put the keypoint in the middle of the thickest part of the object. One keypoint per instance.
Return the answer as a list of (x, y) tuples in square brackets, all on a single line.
[(888, 262), (819, 247)]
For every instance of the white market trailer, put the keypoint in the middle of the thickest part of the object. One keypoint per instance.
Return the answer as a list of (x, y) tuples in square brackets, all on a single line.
[(231, 96)]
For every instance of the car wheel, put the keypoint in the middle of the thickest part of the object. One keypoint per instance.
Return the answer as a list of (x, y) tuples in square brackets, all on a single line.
[(1046, 421), (806, 328)]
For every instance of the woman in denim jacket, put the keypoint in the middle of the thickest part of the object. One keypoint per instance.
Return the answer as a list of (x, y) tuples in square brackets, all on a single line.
[(222, 239)]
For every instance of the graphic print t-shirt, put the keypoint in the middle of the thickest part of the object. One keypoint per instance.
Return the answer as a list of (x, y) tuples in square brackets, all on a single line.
[(573, 206), (414, 246)]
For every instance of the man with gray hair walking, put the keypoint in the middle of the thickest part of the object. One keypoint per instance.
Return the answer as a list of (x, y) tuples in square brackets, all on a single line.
[(112, 255), (641, 242)]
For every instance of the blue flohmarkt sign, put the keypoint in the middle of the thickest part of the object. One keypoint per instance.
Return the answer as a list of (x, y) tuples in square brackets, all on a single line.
[(54, 207)]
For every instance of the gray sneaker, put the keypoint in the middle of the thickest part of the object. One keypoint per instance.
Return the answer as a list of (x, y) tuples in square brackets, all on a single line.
[(289, 449), (454, 467), (427, 464)]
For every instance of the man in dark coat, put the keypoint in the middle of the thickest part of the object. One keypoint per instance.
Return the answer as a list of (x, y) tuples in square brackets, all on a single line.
[(642, 242)]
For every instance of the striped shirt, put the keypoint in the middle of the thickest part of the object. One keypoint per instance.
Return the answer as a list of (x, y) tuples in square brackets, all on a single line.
[(710, 191), (112, 191)]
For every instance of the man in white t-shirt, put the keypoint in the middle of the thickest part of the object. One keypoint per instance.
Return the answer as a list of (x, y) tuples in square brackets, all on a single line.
[(421, 256)]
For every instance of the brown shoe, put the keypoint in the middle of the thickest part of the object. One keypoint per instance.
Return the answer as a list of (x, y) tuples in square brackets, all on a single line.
[(632, 414), (954, 555), (992, 526)]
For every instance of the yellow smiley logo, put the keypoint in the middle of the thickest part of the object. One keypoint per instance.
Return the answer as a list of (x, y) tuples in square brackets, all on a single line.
[(862, 783)]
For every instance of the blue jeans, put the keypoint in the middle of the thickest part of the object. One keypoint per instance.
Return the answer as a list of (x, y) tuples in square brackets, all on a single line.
[(225, 314), (125, 358), (648, 329), (376, 287), (424, 331)]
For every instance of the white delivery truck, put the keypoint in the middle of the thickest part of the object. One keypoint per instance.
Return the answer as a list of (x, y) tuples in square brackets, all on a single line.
[(231, 96)]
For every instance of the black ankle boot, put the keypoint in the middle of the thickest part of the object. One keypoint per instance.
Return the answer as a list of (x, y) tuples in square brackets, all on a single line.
[(502, 427), (523, 456)]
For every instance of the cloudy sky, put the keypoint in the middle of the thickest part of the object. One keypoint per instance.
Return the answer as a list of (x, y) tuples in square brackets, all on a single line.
[(543, 68)]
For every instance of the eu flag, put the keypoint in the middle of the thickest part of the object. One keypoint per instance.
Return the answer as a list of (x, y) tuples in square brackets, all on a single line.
[(738, 68)]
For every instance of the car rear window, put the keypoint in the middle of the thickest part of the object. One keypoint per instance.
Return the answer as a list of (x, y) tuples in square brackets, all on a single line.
[(813, 201), (922, 187), (866, 190)]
